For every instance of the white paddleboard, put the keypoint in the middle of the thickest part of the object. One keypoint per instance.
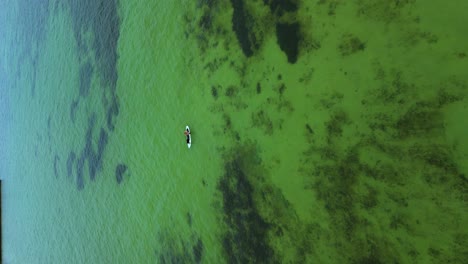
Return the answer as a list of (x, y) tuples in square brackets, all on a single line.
[(187, 128)]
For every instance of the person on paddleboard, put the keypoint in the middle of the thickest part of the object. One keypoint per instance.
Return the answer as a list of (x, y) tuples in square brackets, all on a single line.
[(187, 134)]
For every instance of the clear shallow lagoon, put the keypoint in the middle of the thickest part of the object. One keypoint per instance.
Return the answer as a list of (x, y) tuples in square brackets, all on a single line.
[(323, 131)]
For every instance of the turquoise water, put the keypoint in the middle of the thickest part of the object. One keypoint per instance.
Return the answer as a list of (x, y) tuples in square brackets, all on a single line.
[(323, 131)]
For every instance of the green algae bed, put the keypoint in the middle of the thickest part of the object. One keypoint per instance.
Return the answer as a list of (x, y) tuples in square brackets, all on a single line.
[(352, 110)]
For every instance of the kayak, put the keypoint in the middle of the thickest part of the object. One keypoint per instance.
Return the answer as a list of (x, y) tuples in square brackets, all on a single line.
[(189, 137)]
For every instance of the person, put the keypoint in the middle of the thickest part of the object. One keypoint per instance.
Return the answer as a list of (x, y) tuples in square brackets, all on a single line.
[(187, 134)]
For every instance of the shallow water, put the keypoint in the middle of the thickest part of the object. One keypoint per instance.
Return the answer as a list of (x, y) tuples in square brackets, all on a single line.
[(323, 131)]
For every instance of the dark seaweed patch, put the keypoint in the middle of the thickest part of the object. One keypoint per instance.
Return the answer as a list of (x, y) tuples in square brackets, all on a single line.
[(307, 76), (89, 135), (231, 91), (227, 123), (239, 26), (189, 218), (281, 89), (73, 109), (79, 172), (420, 119), (205, 22), (177, 250), (112, 111), (373, 257), (335, 124), (120, 169), (258, 218), (335, 183), (92, 160), (56, 160), (198, 251), (86, 154), (419, 123), (436, 155), (460, 253), (396, 221), (410, 145), (332, 5), (31, 22), (336, 190), (215, 64), (30, 31), (95, 159), (445, 97), (398, 91), (350, 44), (261, 119), (288, 36), (214, 92), (86, 72), (382, 10), (279, 7), (70, 161), (174, 251), (208, 3), (370, 200), (101, 17), (102, 142), (246, 240), (385, 172), (463, 177)]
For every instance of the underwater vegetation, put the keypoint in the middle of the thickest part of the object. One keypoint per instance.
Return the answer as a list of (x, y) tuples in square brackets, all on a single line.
[(336, 124), (248, 27), (350, 44), (367, 170), (231, 91), (120, 170), (73, 109), (98, 60), (419, 119), (31, 28), (259, 222), (179, 250), (101, 18), (86, 72), (380, 169), (94, 158), (245, 242), (214, 91), (288, 39), (279, 7), (382, 10), (262, 120), (173, 248), (247, 41)]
